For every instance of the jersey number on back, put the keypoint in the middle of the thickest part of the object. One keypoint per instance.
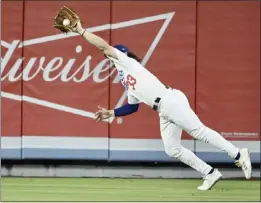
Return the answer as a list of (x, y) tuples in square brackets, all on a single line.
[(131, 81)]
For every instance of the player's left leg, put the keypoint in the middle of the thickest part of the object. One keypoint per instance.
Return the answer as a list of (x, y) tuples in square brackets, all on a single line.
[(180, 112), (171, 136)]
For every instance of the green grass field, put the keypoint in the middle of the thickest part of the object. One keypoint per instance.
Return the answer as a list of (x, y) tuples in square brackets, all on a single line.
[(112, 189)]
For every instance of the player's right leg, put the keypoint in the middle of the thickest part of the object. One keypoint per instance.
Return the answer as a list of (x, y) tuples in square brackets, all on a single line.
[(180, 112), (171, 136)]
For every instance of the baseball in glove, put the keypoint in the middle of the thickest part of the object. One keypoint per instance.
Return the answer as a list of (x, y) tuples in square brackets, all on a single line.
[(66, 20)]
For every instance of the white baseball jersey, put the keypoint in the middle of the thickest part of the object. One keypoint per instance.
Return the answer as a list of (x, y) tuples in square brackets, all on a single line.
[(141, 85)]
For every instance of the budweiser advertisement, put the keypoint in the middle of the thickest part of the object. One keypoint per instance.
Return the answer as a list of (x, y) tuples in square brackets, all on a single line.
[(52, 83)]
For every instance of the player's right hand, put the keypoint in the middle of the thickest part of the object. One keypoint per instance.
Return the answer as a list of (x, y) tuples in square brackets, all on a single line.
[(103, 114), (79, 29)]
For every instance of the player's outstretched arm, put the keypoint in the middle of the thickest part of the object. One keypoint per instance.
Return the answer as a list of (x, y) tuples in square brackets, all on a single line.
[(125, 110), (97, 41)]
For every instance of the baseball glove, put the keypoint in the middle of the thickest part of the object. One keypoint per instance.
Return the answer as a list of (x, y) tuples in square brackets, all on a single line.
[(66, 20)]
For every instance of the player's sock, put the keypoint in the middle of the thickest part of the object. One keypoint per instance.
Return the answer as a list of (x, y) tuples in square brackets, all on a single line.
[(237, 156), (210, 172), (210, 136)]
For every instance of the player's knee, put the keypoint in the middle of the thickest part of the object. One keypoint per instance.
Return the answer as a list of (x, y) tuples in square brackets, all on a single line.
[(198, 133), (201, 134), (173, 151)]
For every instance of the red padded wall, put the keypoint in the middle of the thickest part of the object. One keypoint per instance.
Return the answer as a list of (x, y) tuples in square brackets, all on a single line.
[(228, 67)]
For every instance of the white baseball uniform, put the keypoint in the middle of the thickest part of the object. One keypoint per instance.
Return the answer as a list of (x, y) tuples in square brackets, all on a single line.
[(174, 111)]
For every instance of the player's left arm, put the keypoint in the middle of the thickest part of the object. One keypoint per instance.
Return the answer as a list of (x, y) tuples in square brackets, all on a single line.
[(124, 110), (97, 41), (131, 107)]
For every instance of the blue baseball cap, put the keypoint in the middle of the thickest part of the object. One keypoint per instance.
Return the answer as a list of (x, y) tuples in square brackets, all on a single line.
[(121, 48)]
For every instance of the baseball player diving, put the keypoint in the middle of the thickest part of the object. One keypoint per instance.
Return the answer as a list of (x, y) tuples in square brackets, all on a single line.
[(175, 113)]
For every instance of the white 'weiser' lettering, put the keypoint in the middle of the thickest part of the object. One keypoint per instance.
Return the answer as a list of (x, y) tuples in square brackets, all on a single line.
[(100, 68), (67, 69), (55, 69), (53, 65), (27, 70)]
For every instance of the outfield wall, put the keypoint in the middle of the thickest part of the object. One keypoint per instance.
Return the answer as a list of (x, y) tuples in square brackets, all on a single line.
[(209, 50)]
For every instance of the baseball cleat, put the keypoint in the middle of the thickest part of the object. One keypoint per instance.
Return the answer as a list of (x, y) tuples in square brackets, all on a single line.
[(244, 162), (210, 180)]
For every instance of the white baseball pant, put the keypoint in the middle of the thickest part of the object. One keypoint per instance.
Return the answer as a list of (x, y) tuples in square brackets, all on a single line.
[(176, 115)]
